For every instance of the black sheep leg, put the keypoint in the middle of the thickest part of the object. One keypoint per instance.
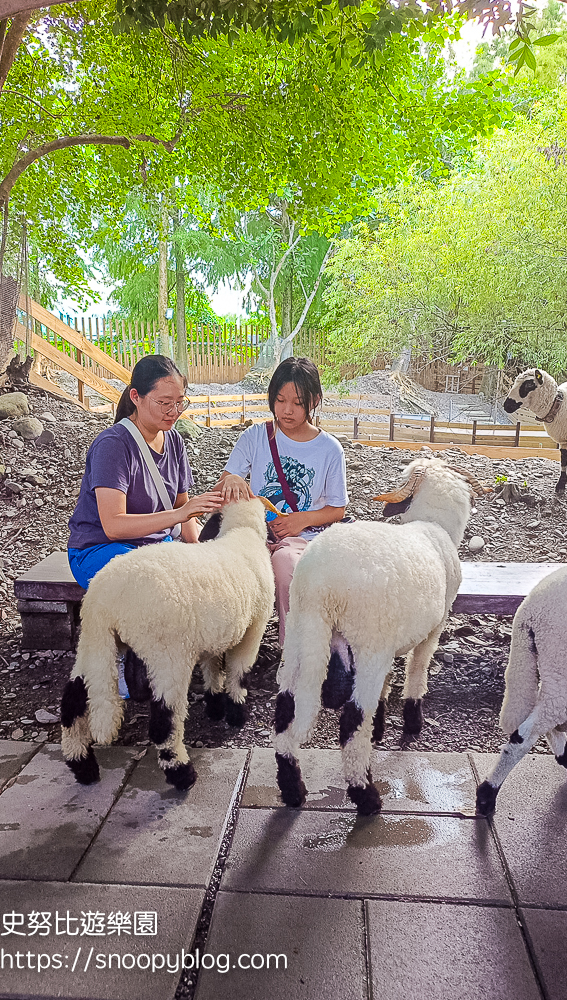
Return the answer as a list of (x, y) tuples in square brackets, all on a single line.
[(354, 743), (166, 731), (76, 740), (562, 481), (290, 782)]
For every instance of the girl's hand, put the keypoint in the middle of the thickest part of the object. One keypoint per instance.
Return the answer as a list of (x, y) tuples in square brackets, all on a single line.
[(206, 503), (233, 487), (292, 525)]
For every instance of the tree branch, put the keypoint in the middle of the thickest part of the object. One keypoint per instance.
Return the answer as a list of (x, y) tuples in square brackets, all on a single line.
[(74, 140), (24, 97), (11, 43), (301, 320), (262, 287)]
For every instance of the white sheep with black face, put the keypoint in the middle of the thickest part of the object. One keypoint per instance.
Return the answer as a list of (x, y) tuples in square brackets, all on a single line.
[(387, 588), (535, 699), (538, 391), (173, 605)]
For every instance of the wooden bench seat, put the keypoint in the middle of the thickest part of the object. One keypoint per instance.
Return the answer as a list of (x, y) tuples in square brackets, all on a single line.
[(49, 598)]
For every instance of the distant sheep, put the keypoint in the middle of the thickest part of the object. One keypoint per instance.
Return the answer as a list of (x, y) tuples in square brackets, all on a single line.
[(387, 588), (540, 393), (173, 605), (535, 700)]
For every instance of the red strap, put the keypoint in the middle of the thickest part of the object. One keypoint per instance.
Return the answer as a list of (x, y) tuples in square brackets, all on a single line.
[(286, 490)]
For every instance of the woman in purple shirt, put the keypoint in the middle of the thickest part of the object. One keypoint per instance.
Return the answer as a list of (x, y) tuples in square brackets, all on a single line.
[(119, 506)]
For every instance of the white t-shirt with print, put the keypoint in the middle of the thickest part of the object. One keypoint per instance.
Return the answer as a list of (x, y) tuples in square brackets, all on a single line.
[(315, 470)]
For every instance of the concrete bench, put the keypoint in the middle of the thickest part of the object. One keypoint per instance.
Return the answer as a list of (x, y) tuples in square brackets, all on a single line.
[(49, 598)]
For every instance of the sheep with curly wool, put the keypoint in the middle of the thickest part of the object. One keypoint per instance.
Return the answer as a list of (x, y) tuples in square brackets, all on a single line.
[(173, 605), (535, 697), (387, 588), (539, 392)]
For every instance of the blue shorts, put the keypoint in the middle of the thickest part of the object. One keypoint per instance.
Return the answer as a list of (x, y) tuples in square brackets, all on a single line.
[(85, 563)]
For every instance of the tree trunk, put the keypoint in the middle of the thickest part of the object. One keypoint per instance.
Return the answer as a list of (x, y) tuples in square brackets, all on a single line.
[(8, 301), (181, 357), (162, 340)]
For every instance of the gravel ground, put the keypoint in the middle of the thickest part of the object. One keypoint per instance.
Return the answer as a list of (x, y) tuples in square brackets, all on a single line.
[(466, 685)]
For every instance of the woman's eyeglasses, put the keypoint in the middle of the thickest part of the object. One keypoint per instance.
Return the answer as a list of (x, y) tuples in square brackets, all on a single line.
[(170, 407)]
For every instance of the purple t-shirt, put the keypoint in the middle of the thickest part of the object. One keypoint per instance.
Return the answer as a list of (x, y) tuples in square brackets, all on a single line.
[(114, 461)]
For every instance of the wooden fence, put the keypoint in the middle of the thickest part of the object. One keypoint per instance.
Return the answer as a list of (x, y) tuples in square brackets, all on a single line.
[(222, 354)]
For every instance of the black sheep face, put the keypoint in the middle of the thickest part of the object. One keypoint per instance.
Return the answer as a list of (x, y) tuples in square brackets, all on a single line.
[(524, 389), (391, 509)]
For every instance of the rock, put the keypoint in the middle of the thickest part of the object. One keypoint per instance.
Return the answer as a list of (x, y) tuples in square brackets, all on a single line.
[(46, 437), (533, 524), (16, 443), (45, 717), (13, 404), (13, 487), (17, 734), (46, 415), (38, 502), (29, 428), (42, 736), (357, 444), (448, 657), (529, 499), (354, 466), (476, 543)]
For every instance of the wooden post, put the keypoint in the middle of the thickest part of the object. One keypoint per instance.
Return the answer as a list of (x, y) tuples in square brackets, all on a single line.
[(80, 385), (517, 435), (355, 432), (208, 411), (432, 428), (473, 438), (243, 407), (391, 438)]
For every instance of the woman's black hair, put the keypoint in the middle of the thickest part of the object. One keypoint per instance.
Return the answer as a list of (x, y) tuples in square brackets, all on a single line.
[(144, 376), (305, 377)]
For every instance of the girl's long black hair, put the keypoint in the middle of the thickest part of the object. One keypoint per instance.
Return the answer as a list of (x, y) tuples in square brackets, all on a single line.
[(305, 377), (145, 374)]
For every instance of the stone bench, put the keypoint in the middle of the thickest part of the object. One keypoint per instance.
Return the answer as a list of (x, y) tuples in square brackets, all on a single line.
[(49, 598)]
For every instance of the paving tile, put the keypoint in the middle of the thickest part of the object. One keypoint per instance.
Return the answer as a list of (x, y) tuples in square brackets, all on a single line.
[(47, 819), (322, 941), (547, 932), (124, 977), (156, 834), (13, 756), (439, 952), (530, 822), (324, 853), (407, 782)]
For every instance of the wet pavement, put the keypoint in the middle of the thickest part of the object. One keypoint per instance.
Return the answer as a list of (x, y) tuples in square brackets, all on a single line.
[(110, 892)]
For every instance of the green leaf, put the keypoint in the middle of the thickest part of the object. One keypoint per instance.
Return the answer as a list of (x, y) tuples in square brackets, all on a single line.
[(546, 40)]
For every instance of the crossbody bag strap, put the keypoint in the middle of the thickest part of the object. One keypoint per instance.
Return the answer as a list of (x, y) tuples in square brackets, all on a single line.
[(286, 489), (153, 470)]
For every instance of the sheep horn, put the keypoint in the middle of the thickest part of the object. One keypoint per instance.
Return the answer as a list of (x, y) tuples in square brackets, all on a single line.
[(269, 506), (476, 486), (405, 491)]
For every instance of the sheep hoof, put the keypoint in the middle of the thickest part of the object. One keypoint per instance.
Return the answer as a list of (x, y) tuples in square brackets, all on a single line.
[(367, 800), (379, 723), (215, 705), (562, 759), (486, 798), (290, 782), (413, 716), (560, 488), (85, 769), (236, 714), (182, 776), (338, 684), (136, 677)]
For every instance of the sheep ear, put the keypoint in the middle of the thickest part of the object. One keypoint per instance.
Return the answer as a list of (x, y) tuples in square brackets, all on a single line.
[(538, 377)]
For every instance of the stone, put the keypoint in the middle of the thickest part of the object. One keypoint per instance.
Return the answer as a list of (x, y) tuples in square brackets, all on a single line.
[(308, 852), (46, 437), (13, 487), (45, 717), (46, 415), (18, 734), (171, 838), (29, 428), (48, 820), (38, 502), (476, 543), (13, 404), (129, 975), (16, 443), (322, 941), (447, 951)]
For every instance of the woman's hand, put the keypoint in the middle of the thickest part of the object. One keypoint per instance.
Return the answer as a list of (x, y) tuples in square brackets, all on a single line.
[(292, 525), (206, 503), (233, 487)]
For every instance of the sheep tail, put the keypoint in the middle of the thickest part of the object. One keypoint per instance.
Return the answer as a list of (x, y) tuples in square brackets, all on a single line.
[(96, 665), (521, 678)]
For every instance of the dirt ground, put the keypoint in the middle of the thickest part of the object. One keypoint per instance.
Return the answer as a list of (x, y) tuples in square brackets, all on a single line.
[(466, 683)]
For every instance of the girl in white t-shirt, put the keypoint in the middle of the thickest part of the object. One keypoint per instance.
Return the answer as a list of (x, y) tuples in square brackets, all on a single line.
[(313, 463)]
